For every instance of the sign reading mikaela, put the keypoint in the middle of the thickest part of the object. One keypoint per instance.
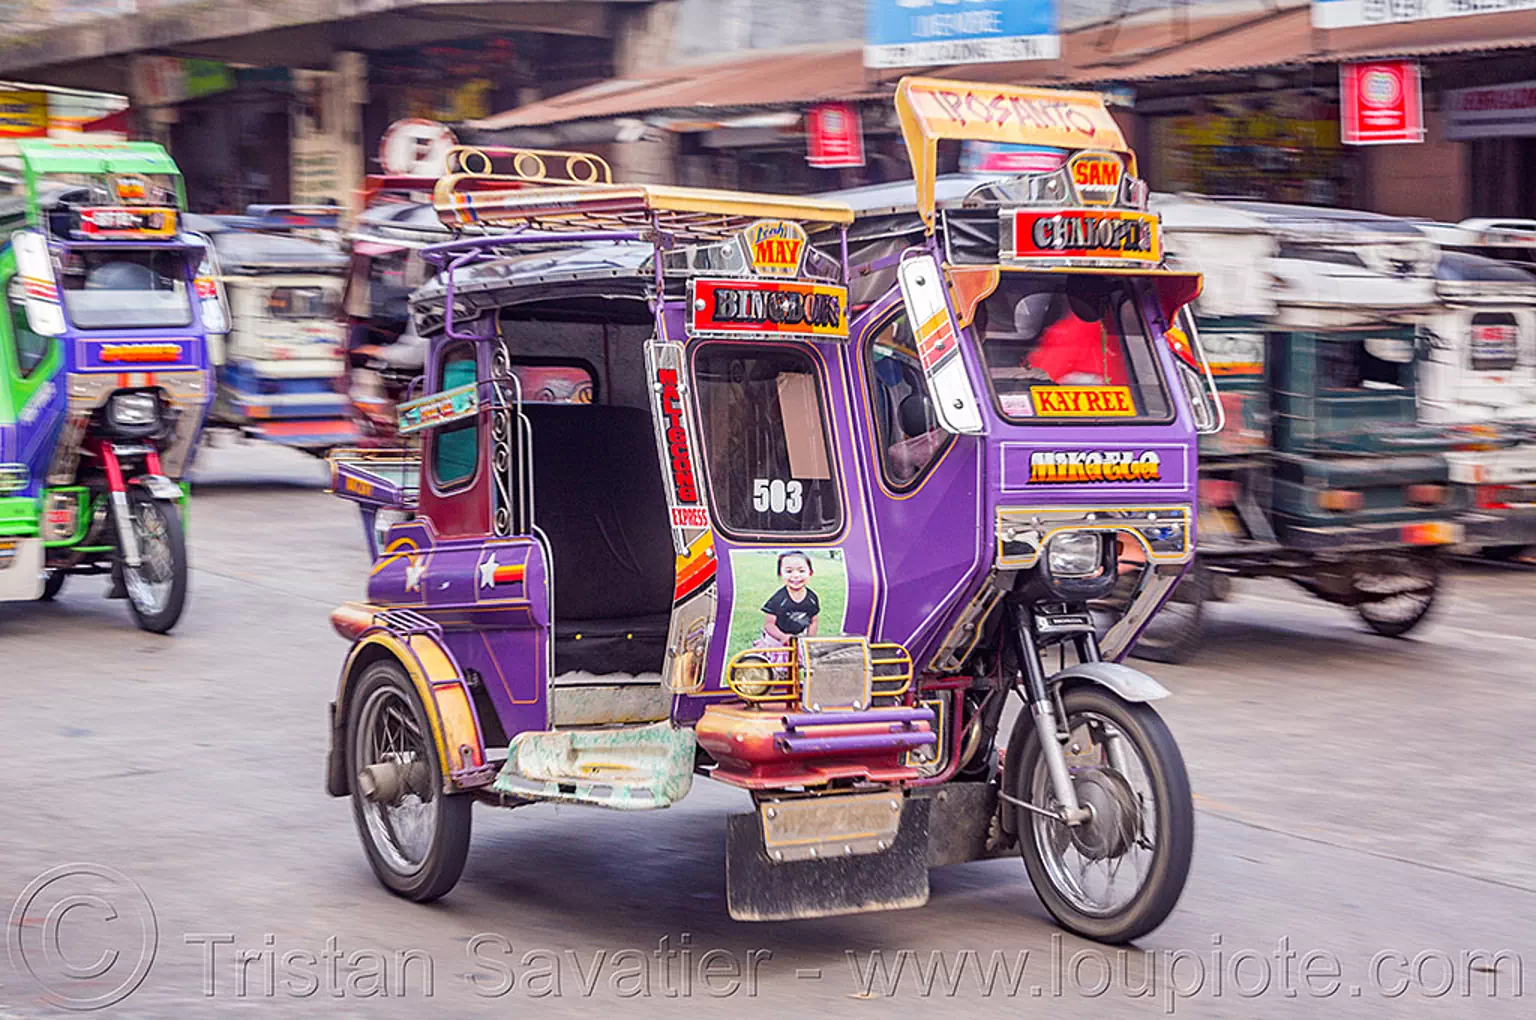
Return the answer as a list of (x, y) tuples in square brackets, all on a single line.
[(1352, 13)]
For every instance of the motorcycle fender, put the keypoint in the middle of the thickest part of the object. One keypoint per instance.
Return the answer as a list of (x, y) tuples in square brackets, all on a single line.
[(158, 486), (450, 712), (1130, 684)]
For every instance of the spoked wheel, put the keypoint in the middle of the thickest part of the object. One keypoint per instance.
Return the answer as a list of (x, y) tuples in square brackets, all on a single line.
[(416, 836), (1118, 875), (157, 588), (1402, 596), (53, 584)]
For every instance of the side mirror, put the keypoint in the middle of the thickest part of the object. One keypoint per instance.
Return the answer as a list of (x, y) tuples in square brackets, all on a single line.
[(214, 305), (34, 264), (1195, 374), (938, 345)]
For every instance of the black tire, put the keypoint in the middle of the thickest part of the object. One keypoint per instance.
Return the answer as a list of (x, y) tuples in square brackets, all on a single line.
[(1175, 823), (447, 849), (1396, 618), (1503, 553), (1178, 630), (53, 585), (159, 615)]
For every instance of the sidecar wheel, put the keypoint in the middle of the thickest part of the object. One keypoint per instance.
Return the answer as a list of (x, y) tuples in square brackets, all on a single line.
[(416, 836), (157, 588), (1140, 839)]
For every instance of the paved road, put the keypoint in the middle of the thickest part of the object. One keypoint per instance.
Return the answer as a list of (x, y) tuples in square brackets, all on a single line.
[(1364, 831)]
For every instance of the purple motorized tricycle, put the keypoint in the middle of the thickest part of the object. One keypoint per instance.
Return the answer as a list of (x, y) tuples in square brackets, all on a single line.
[(836, 486)]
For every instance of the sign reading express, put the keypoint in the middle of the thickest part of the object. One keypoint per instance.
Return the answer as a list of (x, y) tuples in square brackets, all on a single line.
[(910, 33)]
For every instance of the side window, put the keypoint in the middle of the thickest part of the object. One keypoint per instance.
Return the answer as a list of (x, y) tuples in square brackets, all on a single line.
[(765, 440), (31, 349), (908, 437), (456, 447), (1495, 342)]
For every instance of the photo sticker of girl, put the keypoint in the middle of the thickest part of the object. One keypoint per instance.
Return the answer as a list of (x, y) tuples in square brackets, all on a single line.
[(793, 610), (780, 595)]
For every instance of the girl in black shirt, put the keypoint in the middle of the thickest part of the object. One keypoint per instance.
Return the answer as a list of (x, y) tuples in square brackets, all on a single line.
[(792, 610)]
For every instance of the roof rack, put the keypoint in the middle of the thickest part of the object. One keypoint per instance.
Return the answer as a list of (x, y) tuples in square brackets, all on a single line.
[(490, 188)]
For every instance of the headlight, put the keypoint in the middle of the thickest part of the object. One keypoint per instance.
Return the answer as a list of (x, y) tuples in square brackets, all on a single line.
[(133, 409), (1075, 554)]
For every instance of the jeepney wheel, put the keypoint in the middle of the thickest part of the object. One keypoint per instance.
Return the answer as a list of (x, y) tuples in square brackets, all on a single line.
[(53, 584), (416, 836), (1177, 631), (1118, 875), (157, 588), (1410, 595), (1503, 553)]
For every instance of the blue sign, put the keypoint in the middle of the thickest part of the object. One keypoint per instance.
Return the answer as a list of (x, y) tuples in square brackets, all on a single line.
[(915, 33)]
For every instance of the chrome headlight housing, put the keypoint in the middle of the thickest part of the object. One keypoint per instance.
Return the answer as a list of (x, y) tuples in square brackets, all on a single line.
[(133, 410), (1075, 554), (1080, 565)]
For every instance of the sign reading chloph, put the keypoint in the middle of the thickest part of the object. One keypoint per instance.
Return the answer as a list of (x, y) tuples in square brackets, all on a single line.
[(1086, 235), (786, 308)]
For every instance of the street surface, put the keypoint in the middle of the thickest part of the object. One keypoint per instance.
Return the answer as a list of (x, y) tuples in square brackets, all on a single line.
[(1364, 833)]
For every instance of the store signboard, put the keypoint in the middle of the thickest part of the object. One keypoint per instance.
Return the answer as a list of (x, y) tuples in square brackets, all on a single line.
[(23, 114), (834, 136), (1381, 103), (913, 33), (1493, 111), (1353, 13)]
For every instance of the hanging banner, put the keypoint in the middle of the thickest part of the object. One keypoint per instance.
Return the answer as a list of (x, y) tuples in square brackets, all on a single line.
[(1352, 13), (912, 33), (834, 136), (1381, 103)]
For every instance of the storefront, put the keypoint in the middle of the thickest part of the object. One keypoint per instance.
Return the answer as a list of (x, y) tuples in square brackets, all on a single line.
[(1497, 123), (1279, 145)]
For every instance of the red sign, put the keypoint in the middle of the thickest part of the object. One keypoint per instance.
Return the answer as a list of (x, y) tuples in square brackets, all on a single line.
[(1087, 234), (1381, 103), (777, 307), (834, 136), (125, 221)]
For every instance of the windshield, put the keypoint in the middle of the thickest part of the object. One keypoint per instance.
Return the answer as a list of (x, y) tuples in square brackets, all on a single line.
[(124, 289), (1076, 347)]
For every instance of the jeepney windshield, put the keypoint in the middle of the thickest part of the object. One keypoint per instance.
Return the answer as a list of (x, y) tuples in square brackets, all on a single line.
[(1070, 348), (125, 288)]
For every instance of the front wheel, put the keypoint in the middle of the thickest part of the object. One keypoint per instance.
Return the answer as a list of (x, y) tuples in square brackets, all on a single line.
[(1118, 875), (157, 587), (416, 836)]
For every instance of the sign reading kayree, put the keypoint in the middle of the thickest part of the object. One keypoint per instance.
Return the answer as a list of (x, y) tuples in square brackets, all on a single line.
[(1090, 212), (774, 300)]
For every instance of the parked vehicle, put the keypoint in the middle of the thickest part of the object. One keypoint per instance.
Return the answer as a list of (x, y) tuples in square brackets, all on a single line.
[(282, 374), (1322, 473), (803, 551), (105, 381)]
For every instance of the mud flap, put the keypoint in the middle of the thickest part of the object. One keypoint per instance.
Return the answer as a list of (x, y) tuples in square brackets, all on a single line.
[(760, 889)]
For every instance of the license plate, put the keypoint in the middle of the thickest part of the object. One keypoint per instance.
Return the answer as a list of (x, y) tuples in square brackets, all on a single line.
[(841, 825), (1433, 533)]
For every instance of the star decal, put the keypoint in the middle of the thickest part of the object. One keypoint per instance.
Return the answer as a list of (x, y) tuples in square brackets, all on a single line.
[(414, 568), (488, 572)]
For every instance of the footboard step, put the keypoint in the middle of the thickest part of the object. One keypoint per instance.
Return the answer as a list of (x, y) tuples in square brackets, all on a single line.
[(759, 888), (633, 768)]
